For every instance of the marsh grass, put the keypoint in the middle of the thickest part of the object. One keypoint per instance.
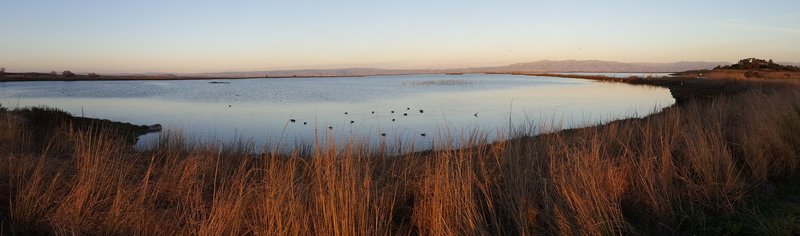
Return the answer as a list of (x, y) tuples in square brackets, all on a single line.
[(438, 82), (673, 172), (750, 74)]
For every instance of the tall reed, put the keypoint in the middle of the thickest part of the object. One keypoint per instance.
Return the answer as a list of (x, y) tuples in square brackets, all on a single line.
[(631, 176)]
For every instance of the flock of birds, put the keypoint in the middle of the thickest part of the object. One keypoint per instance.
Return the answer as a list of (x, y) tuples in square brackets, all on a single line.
[(373, 112)]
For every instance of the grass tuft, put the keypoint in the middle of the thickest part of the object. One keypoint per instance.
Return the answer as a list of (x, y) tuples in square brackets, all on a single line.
[(722, 165)]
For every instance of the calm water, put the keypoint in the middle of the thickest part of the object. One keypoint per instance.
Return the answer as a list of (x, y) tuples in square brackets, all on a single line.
[(621, 75), (260, 109)]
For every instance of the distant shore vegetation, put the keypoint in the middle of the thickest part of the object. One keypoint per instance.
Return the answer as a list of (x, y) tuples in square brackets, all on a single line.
[(438, 82), (758, 64)]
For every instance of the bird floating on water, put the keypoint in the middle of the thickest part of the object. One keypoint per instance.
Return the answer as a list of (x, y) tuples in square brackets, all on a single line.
[(352, 122), (476, 114), (345, 113), (421, 111), (292, 120), (422, 134), (405, 114), (305, 123)]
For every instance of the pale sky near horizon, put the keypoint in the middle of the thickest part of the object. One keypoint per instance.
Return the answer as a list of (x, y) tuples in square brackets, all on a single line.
[(209, 36)]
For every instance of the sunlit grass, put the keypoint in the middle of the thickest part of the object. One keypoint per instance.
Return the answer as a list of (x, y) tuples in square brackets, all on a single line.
[(649, 175)]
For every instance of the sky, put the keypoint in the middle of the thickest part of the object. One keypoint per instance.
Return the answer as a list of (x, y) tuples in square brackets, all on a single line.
[(215, 36)]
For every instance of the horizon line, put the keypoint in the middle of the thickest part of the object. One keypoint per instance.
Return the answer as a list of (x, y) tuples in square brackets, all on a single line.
[(344, 67)]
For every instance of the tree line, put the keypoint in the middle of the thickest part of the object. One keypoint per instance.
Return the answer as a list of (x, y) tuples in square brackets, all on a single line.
[(758, 64)]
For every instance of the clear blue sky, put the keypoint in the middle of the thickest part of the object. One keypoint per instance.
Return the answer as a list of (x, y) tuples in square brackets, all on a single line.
[(206, 36)]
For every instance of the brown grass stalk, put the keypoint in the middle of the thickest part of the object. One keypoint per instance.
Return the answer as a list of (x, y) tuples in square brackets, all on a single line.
[(629, 176)]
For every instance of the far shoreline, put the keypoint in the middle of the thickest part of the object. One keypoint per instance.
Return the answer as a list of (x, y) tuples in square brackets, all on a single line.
[(57, 78), (35, 77)]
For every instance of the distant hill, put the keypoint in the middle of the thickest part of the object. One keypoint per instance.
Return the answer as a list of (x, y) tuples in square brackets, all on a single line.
[(538, 66)]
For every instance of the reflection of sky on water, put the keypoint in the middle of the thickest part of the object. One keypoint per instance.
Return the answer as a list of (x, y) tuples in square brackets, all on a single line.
[(260, 109)]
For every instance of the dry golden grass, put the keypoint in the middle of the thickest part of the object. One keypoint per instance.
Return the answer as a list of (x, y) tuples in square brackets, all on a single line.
[(743, 74), (631, 176)]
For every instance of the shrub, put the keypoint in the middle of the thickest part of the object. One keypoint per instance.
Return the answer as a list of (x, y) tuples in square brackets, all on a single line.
[(758, 64)]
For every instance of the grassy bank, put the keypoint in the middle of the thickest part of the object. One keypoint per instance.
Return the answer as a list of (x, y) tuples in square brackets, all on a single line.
[(722, 162), (684, 88), (42, 123)]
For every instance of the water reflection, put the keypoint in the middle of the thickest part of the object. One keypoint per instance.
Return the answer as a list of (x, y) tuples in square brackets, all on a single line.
[(379, 108)]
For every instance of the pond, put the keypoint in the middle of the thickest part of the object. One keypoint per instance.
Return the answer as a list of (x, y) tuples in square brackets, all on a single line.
[(394, 110)]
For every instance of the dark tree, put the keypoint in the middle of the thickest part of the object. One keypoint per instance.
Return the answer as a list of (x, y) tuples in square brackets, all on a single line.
[(68, 74), (759, 64)]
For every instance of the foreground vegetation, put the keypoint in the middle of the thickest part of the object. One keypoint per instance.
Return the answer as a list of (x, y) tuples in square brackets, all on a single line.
[(711, 165)]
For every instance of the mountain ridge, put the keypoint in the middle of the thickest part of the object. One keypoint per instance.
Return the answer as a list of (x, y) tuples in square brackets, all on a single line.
[(536, 66)]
